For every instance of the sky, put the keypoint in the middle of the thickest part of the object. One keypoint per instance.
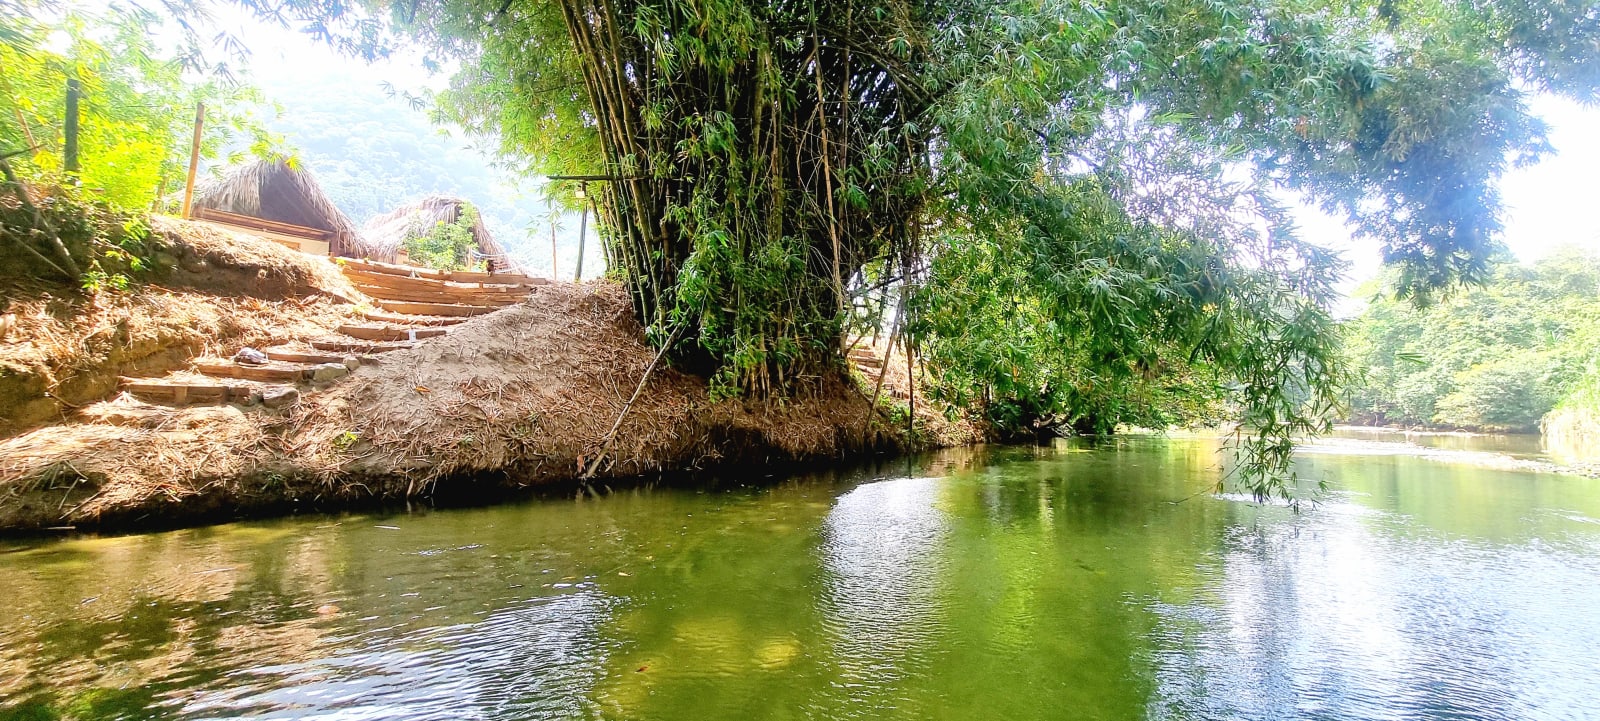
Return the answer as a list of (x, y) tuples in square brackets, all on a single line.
[(1546, 205)]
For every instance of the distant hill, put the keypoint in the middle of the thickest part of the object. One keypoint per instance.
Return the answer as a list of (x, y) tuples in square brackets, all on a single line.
[(372, 151)]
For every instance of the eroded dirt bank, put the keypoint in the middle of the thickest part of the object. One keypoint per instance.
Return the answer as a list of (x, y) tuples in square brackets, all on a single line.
[(517, 398), (211, 292)]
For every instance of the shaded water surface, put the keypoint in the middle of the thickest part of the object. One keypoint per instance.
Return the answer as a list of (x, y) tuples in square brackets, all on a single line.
[(1066, 582)]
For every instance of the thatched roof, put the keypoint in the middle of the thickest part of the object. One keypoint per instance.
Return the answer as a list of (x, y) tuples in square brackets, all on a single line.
[(273, 190), (385, 234)]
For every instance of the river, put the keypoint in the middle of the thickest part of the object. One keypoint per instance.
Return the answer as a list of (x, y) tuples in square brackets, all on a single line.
[(1072, 581)]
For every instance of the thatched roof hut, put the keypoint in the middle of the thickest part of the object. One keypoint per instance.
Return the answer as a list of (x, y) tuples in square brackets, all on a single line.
[(385, 234), (276, 191)]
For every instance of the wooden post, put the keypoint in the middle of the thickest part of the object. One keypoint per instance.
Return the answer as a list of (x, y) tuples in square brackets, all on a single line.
[(194, 157), (70, 127), (583, 230)]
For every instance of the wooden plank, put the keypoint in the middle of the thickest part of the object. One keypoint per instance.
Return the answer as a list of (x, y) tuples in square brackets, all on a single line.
[(367, 275), (181, 392), (290, 372), (304, 245), (374, 266), (423, 285), (456, 298), (445, 309), (386, 332), (383, 316), (300, 356), (459, 276), (472, 276), (351, 345), (254, 223)]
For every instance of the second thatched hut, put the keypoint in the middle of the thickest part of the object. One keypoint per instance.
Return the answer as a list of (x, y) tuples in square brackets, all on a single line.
[(385, 235), (277, 191)]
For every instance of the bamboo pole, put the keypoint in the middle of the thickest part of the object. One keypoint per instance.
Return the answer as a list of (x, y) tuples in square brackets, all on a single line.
[(827, 182), (194, 158), (70, 127), (553, 270), (583, 230)]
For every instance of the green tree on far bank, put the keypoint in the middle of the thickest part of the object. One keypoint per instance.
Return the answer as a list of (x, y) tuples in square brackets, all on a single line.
[(1497, 357)]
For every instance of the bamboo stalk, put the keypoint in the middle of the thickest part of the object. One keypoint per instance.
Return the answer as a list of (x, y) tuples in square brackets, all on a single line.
[(194, 159), (827, 183), (69, 150)]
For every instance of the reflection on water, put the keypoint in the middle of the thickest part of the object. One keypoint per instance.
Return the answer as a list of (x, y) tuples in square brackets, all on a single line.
[(1521, 446), (537, 660), (883, 544), (1061, 582)]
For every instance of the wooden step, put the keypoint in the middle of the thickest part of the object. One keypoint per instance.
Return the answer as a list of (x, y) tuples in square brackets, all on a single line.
[(351, 345), (432, 289), (446, 309), (496, 300), (275, 371), (388, 332), (459, 276), (299, 356), (383, 316), (359, 275), (182, 392)]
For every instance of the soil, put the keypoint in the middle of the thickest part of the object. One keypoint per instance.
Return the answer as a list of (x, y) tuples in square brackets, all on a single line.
[(212, 292), (518, 398)]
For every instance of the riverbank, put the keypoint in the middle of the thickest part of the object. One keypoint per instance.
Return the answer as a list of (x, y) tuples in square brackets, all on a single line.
[(1497, 451), (523, 397)]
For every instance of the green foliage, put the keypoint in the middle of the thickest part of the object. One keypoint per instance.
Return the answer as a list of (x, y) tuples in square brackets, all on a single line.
[(1573, 426), (107, 245), (1513, 392), (444, 246), (137, 108), (1497, 357)]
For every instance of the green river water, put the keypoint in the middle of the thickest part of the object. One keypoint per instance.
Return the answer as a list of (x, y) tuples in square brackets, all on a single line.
[(1060, 582)]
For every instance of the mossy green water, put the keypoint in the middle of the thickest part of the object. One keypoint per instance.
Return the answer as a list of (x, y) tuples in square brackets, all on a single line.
[(1061, 582)]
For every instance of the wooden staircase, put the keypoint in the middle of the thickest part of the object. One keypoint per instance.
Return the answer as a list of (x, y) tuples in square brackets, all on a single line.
[(414, 304), (869, 360)]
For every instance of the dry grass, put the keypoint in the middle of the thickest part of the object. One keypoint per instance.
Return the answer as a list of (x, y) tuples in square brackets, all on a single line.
[(83, 470), (66, 349), (522, 396), (900, 382), (531, 392)]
